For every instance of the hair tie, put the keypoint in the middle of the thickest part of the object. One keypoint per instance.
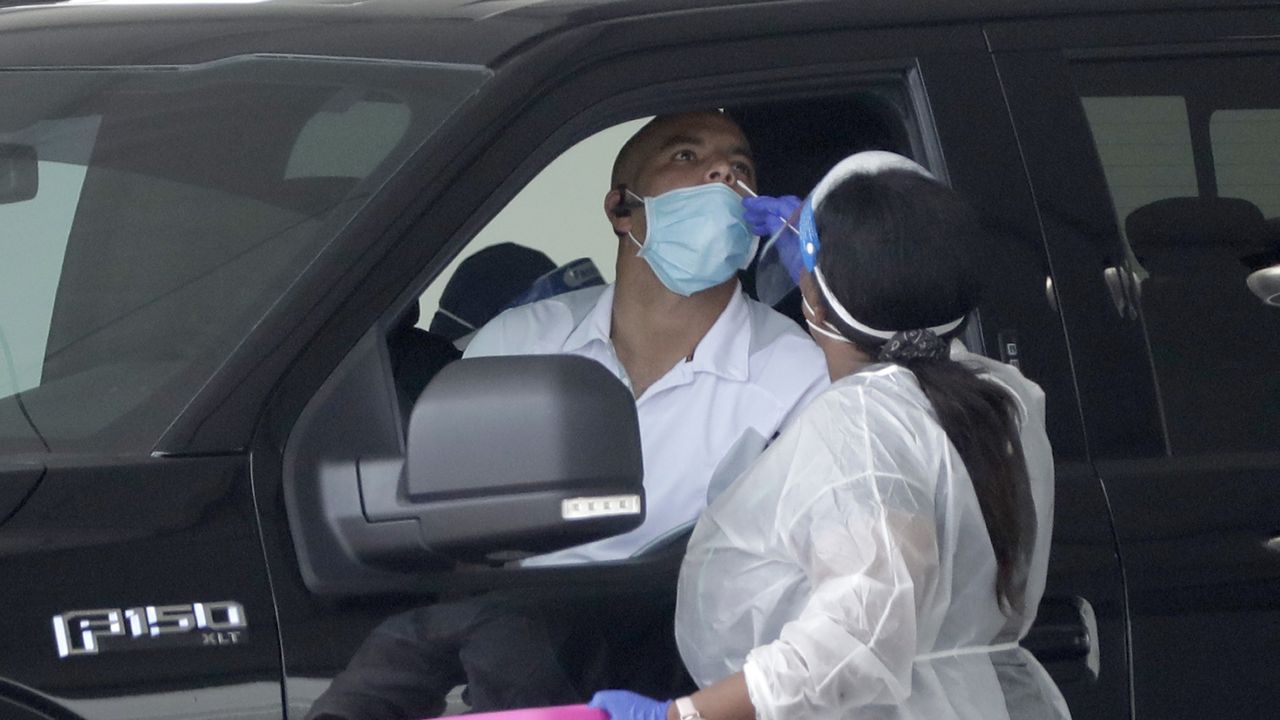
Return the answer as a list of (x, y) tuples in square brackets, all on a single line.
[(914, 345)]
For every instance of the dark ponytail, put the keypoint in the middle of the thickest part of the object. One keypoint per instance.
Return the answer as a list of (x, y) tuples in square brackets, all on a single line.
[(897, 252), (980, 419)]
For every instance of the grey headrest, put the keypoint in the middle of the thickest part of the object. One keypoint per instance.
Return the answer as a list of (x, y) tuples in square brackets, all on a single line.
[(1195, 222)]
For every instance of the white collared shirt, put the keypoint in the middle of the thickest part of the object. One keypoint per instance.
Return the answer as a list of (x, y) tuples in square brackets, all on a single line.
[(701, 423)]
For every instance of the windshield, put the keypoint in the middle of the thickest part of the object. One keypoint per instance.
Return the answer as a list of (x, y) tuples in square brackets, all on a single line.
[(150, 215)]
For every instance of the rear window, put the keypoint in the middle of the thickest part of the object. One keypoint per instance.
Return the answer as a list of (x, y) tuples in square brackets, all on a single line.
[(1189, 150), (1246, 155), (149, 216)]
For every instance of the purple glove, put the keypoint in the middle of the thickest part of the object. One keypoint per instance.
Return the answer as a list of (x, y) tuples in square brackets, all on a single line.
[(626, 705), (766, 215)]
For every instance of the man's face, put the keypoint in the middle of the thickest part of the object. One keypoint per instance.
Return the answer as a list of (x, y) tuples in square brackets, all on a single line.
[(683, 151)]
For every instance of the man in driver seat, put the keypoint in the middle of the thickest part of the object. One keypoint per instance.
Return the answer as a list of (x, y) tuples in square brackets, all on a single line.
[(715, 376), (714, 373)]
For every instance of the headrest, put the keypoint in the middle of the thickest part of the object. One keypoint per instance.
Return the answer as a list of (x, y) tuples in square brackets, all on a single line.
[(571, 276), (1197, 222), (483, 284)]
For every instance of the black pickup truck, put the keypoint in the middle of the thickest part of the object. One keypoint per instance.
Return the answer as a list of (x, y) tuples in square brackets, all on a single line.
[(218, 221)]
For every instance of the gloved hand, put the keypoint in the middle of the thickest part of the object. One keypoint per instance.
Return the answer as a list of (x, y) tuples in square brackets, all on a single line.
[(766, 215), (626, 705)]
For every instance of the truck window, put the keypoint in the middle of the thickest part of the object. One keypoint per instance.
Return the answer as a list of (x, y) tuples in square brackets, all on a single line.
[(175, 205), (1194, 176), (1246, 156), (38, 228), (557, 214)]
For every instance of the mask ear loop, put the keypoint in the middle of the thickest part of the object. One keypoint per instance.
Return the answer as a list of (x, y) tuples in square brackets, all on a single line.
[(623, 209), (455, 318), (818, 328)]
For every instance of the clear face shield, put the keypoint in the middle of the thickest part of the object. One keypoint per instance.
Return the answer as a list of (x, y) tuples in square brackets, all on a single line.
[(780, 265)]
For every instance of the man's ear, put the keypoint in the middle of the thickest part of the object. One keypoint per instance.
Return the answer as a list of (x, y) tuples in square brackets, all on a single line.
[(617, 211)]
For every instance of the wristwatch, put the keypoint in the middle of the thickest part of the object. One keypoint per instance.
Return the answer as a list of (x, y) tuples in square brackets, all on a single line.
[(686, 710)]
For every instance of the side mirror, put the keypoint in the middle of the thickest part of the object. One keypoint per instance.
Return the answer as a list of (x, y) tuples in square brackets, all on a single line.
[(1265, 283), (19, 173), (506, 457)]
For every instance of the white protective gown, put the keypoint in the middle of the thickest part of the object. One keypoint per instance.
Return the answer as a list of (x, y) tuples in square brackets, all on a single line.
[(849, 573)]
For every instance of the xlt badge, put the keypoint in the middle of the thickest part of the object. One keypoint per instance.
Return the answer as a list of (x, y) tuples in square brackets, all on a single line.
[(89, 632)]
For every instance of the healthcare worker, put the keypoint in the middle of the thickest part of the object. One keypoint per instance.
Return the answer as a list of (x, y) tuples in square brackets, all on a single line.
[(884, 556)]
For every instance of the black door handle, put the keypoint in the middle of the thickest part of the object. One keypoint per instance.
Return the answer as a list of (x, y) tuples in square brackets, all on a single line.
[(1065, 630)]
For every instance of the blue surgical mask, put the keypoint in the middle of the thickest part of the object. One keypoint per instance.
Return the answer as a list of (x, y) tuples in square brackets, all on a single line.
[(696, 237)]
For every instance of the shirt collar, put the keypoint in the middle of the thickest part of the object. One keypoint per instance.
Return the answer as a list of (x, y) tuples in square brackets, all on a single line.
[(725, 349), (595, 327)]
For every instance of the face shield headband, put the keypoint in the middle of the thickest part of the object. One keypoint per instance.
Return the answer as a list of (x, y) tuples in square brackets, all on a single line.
[(863, 163), (865, 329)]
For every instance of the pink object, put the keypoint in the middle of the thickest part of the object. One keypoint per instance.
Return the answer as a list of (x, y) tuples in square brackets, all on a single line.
[(557, 712)]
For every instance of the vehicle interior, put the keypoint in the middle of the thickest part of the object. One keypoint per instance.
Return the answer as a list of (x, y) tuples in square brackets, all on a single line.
[(484, 282)]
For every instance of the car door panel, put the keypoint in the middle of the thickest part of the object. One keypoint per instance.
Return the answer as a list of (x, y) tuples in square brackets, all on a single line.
[(1193, 519), (137, 587)]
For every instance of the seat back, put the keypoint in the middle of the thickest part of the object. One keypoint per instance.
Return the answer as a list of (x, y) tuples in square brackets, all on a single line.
[(1212, 341)]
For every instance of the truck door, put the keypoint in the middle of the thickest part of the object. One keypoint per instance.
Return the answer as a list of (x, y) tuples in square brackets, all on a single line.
[(1151, 142)]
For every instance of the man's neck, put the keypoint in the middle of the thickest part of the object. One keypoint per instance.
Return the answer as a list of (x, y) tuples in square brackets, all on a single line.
[(653, 328)]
